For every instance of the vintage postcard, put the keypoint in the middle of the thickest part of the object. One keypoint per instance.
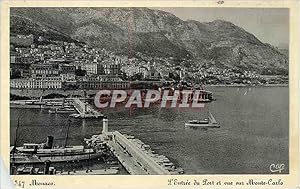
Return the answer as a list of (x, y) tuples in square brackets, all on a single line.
[(149, 94)]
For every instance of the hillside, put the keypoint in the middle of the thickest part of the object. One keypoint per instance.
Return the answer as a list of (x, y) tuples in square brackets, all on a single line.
[(152, 32)]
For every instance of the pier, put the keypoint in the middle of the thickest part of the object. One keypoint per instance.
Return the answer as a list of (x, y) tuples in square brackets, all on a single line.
[(135, 156), (85, 110), (135, 161)]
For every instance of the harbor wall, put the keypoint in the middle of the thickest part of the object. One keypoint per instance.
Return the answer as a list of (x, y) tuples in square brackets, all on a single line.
[(37, 93), (146, 161)]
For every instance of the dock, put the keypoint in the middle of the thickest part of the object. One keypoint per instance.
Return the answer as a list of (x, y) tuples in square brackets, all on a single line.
[(84, 110), (135, 161), (135, 156)]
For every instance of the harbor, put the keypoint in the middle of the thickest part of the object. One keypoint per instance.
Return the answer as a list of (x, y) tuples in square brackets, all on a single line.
[(84, 110), (132, 154), (76, 107), (197, 151), (136, 157)]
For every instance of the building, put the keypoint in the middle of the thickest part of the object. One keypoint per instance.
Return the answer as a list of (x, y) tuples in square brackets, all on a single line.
[(68, 77), (37, 83), (112, 69), (102, 82), (109, 78), (17, 59), (90, 68), (23, 70), (154, 74), (144, 71), (44, 70), (93, 85), (67, 68), (100, 69)]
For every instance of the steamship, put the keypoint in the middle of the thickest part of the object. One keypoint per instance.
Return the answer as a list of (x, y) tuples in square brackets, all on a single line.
[(38, 153)]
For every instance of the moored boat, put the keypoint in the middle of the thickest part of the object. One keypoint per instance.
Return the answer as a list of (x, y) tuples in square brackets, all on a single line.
[(38, 153), (65, 110), (87, 116), (52, 110)]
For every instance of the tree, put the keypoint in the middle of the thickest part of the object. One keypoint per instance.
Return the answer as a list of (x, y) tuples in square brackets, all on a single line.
[(174, 76), (80, 72), (15, 74)]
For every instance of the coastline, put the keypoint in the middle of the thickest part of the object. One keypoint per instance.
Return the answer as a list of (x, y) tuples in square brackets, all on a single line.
[(37, 93), (243, 85)]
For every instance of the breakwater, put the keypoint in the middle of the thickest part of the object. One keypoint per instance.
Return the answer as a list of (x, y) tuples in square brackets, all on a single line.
[(37, 93)]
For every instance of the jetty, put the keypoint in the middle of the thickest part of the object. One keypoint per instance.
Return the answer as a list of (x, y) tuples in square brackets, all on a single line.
[(135, 156), (85, 110)]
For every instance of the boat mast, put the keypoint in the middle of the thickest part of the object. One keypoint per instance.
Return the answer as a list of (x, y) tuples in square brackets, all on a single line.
[(89, 162), (15, 145), (67, 134)]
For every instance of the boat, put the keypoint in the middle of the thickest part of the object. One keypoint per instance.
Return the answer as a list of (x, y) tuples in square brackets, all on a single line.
[(31, 170), (209, 122), (65, 110), (75, 115), (25, 104), (57, 104), (49, 106), (35, 153), (27, 171), (108, 171), (52, 110), (61, 109), (87, 116), (38, 153)]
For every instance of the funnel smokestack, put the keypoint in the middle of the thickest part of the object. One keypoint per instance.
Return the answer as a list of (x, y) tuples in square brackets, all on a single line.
[(49, 142)]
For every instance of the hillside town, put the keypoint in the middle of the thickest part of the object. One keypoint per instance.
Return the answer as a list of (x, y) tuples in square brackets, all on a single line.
[(43, 64)]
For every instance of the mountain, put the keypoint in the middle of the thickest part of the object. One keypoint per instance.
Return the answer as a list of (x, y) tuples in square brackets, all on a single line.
[(284, 51), (152, 32)]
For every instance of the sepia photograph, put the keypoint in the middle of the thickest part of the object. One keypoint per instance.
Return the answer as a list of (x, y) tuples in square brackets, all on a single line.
[(149, 90)]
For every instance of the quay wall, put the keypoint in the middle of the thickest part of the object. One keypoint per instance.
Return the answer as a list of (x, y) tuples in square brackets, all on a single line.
[(37, 93), (148, 163)]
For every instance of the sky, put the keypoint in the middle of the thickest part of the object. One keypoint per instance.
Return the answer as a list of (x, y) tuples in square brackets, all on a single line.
[(269, 25)]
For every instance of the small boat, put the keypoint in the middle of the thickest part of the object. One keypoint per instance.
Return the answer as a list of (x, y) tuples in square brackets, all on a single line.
[(62, 110), (23, 105), (92, 116), (75, 115), (108, 171), (112, 162), (39, 103), (87, 116), (29, 102), (205, 123), (52, 110), (65, 110), (27, 171)]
